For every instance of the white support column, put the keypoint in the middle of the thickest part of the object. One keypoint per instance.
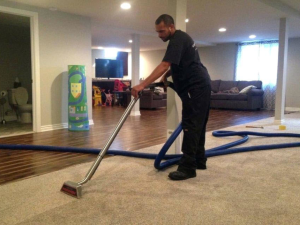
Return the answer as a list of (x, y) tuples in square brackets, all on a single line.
[(281, 73), (135, 62), (177, 9)]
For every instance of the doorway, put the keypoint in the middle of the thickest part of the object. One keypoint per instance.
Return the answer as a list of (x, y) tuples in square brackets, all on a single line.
[(15, 67), (19, 66)]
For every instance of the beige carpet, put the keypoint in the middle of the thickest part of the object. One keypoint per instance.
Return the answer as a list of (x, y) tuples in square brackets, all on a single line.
[(260, 187)]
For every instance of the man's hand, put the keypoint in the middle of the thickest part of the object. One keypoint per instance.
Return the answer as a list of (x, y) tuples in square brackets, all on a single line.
[(136, 89), (157, 73), (164, 80)]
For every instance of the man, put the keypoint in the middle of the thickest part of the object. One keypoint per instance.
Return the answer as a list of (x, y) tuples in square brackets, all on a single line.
[(192, 84)]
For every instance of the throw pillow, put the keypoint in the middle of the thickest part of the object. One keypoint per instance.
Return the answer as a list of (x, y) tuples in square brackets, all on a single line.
[(247, 89)]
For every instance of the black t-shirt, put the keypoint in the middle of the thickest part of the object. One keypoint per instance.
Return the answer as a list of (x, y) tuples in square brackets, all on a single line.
[(186, 67)]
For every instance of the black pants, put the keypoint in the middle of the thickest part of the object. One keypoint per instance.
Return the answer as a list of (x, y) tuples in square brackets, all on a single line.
[(195, 112)]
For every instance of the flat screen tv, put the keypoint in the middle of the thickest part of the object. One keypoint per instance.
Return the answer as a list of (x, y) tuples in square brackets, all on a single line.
[(109, 68)]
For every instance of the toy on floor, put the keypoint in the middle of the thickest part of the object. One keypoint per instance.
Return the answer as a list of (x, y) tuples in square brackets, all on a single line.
[(282, 127), (119, 85), (97, 96), (108, 99)]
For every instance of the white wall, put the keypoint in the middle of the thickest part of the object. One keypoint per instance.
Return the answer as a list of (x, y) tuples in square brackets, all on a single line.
[(149, 61), (219, 60), (96, 53), (65, 39), (293, 74)]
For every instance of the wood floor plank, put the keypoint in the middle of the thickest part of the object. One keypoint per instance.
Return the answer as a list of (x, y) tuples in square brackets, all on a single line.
[(36, 166), (33, 158), (137, 132), (42, 170)]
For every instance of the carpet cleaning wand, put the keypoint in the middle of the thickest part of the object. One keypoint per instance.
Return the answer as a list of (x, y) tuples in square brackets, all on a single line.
[(75, 189)]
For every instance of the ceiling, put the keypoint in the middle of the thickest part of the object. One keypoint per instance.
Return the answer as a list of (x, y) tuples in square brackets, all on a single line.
[(112, 26)]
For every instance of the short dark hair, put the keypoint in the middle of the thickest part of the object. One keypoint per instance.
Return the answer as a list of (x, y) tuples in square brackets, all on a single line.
[(167, 19)]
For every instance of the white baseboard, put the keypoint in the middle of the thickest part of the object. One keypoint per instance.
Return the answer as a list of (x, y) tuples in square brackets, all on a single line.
[(59, 126), (91, 122), (54, 127), (279, 122), (292, 109), (135, 113)]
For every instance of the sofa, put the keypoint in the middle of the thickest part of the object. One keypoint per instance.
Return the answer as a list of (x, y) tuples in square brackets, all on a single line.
[(151, 99), (247, 95)]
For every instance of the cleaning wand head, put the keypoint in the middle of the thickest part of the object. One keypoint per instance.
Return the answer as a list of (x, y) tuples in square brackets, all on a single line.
[(72, 188)]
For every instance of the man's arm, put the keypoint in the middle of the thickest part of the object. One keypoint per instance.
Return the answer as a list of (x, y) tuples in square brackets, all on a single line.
[(168, 73), (157, 72)]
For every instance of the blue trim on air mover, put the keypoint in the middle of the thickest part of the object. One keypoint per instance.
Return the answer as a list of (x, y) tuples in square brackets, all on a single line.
[(174, 158)]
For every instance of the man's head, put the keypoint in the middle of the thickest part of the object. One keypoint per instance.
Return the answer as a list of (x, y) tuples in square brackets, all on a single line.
[(164, 26)]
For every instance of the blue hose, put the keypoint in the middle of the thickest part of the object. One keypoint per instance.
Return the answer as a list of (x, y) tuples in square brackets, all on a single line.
[(173, 159)]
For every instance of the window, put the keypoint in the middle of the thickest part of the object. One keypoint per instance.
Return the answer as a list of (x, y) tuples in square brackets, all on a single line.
[(111, 53), (258, 61)]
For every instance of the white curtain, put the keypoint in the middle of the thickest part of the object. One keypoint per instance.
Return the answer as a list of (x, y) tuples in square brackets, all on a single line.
[(258, 61)]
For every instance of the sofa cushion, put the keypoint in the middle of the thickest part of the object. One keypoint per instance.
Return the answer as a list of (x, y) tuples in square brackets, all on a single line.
[(221, 96), (255, 92), (238, 97), (215, 84), (147, 92), (242, 84), (227, 85), (157, 97), (164, 94)]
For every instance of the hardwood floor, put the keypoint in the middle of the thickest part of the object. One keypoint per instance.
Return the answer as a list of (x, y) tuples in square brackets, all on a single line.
[(137, 132)]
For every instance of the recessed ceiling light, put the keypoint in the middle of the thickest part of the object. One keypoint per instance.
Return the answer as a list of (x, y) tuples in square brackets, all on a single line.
[(53, 9), (252, 36), (100, 48), (186, 20), (222, 29), (125, 5), (130, 41)]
